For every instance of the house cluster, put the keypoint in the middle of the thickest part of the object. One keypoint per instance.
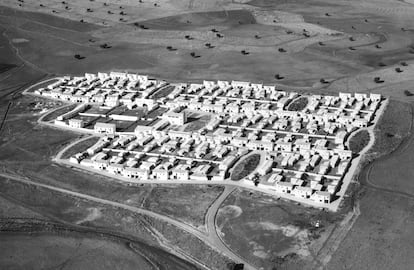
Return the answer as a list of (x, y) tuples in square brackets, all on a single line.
[(302, 150), (150, 156), (103, 89)]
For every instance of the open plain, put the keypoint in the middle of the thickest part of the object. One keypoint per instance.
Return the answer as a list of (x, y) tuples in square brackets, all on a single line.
[(55, 216)]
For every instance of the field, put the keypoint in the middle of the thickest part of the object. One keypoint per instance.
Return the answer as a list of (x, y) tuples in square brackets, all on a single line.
[(381, 236), (173, 201), (79, 147), (272, 233), (196, 121), (105, 220), (49, 251), (315, 46), (50, 116), (298, 104), (245, 167), (359, 140), (393, 127)]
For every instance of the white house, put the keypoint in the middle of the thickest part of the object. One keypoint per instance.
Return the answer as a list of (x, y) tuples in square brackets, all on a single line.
[(76, 123), (107, 128), (181, 172), (302, 192), (321, 197), (175, 118)]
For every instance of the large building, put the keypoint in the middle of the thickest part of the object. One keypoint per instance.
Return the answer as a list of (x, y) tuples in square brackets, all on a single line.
[(106, 128)]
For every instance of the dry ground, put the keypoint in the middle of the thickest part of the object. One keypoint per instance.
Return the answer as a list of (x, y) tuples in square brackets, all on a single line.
[(349, 44), (272, 233), (50, 251)]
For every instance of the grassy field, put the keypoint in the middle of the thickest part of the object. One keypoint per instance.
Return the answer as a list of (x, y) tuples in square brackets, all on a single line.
[(385, 199), (186, 203), (196, 121), (381, 237), (103, 220), (272, 233), (245, 167), (392, 128), (53, 115), (46, 251), (79, 147), (394, 147), (163, 92), (298, 104), (358, 141)]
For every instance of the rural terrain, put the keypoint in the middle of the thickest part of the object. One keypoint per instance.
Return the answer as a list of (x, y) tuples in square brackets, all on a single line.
[(56, 217)]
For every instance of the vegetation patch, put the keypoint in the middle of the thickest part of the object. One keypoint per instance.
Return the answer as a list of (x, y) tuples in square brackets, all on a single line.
[(393, 126), (265, 231), (163, 92), (359, 141), (245, 167), (53, 115), (298, 104), (6, 67), (80, 147), (197, 122)]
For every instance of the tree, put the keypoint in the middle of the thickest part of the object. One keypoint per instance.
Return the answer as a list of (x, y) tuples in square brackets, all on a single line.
[(256, 179), (278, 77), (378, 80)]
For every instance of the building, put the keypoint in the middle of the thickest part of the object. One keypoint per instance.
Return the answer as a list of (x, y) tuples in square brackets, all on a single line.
[(284, 187), (265, 166), (175, 118), (106, 128), (136, 173), (227, 163), (321, 197), (302, 192), (76, 123), (181, 172), (161, 173)]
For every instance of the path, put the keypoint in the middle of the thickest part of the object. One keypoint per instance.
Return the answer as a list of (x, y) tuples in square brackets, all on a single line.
[(210, 240)]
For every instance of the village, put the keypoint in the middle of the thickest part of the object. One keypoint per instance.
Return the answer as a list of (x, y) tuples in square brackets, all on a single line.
[(284, 143)]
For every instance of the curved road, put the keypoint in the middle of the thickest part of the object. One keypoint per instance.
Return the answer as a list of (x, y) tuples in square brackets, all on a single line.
[(208, 238), (364, 176)]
